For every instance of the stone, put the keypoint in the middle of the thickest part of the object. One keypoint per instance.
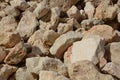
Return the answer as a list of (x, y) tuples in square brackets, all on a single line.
[(41, 10), (89, 9), (118, 17), (82, 50), (23, 74), (27, 25), (64, 28), (6, 71), (105, 31), (2, 54), (112, 69), (73, 12), (98, 13), (37, 64), (9, 39), (16, 54), (113, 50), (51, 75), (63, 42), (8, 24), (86, 70)]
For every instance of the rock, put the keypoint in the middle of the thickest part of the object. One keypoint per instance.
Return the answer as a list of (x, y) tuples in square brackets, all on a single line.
[(23, 74), (105, 31), (112, 69), (82, 50), (113, 50), (98, 13), (37, 64), (41, 10), (118, 17), (16, 54), (63, 42), (73, 12), (27, 25), (64, 28), (8, 24), (89, 9), (9, 39), (51, 75), (2, 54), (6, 71), (86, 70)]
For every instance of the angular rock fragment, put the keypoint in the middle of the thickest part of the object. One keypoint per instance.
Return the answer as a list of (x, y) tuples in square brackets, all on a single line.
[(2, 54), (16, 54), (63, 42)]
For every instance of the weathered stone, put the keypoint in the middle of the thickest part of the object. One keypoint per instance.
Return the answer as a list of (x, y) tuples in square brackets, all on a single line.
[(23, 74), (86, 70), (9, 39), (16, 54), (63, 42), (2, 54), (6, 71), (105, 31), (91, 49), (118, 17), (112, 69), (73, 12), (27, 25), (8, 24), (51, 75), (37, 64), (89, 9)]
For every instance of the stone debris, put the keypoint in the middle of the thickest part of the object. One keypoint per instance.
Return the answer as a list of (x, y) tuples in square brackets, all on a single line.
[(59, 39)]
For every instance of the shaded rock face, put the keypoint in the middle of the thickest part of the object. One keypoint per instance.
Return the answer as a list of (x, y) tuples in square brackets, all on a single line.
[(59, 40)]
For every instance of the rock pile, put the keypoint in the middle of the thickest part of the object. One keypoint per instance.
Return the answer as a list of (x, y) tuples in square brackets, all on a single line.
[(59, 39)]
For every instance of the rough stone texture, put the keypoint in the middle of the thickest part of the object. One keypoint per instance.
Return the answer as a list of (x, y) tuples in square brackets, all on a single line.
[(16, 54), (9, 39), (91, 49), (118, 17), (51, 75), (105, 31), (23, 74), (6, 71), (8, 24), (27, 25), (2, 54), (63, 42), (35, 65), (113, 50), (112, 69), (86, 70), (89, 9)]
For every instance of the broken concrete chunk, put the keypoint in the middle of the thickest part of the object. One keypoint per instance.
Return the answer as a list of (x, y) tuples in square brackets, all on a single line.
[(63, 42)]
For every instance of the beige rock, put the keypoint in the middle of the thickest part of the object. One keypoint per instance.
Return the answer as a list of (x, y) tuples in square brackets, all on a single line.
[(89, 9), (105, 31), (27, 25), (91, 49), (6, 71), (86, 70), (64, 28), (63, 42), (23, 74), (51, 75), (37, 64), (2, 54), (8, 24), (98, 13), (73, 12), (9, 39), (118, 17), (16, 54), (113, 50), (112, 69)]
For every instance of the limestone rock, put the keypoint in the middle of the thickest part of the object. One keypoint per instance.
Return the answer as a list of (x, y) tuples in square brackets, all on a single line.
[(27, 25), (91, 49), (16, 54), (63, 42), (9, 39), (51, 75), (2, 54)]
